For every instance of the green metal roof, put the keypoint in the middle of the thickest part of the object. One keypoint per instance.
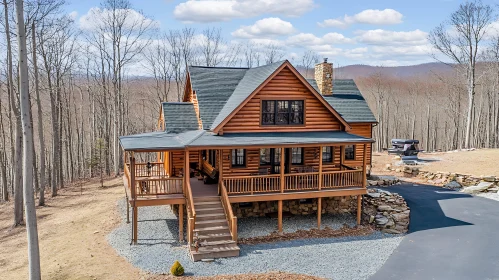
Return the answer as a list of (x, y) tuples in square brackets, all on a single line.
[(214, 86), (253, 78), (202, 138), (348, 101), (180, 117)]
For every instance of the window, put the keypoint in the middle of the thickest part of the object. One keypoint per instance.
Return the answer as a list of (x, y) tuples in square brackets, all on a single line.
[(297, 156), (282, 112), (350, 152), (238, 158), (327, 154), (264, 156)]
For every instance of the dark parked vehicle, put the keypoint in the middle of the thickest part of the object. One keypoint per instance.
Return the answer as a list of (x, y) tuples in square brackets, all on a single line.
[(404, 147)]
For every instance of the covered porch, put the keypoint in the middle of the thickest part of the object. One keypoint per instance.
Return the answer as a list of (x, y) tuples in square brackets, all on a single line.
[(167, 177)]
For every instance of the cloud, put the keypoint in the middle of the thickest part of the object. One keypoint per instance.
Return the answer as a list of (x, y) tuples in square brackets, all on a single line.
[(374, 17), (266, 27), (73, 15), (386, 37), (225, 10), (96, 17), (309, 39)]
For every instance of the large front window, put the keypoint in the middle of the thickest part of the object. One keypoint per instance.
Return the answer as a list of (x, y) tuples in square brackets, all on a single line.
[(282, 112), (350, 152), (297, 156), (327, 154)]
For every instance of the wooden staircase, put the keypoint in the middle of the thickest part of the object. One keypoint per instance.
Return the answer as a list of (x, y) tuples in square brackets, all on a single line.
[(212, 230)]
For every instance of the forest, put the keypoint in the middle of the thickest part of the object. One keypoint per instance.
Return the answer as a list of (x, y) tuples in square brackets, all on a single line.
[(106, 75)]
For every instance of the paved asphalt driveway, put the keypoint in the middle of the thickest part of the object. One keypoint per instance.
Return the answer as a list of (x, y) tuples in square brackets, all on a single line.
[(451, 236)]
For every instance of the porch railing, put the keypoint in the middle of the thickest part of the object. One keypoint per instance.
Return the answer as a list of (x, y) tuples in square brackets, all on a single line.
[(154, 169), (191, 212), (147, 186), (292, 182), (229, 214), (252, 184), (301, 181), (341, 179)]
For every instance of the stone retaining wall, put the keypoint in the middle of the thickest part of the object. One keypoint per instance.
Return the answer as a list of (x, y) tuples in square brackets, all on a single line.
[(332, 205), (387, 211)]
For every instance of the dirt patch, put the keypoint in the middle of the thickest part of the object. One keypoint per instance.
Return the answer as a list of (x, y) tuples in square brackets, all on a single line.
[(477, 162), (306, 234), (72, 231)]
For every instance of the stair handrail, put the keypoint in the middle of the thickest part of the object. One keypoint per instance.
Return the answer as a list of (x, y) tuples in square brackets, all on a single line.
[(191, 212), (229, 214)]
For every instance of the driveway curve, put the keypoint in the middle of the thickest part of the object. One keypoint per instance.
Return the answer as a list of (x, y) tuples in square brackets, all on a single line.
[(451, 236)]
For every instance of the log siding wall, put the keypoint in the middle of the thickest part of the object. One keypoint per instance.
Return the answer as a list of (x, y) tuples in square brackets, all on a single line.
[(284, 86)]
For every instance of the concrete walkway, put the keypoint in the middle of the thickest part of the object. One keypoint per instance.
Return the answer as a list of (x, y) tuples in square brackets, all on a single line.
[(451, 236)]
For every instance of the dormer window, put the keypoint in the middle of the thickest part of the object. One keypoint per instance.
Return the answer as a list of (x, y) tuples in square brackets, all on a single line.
[(282, 112)]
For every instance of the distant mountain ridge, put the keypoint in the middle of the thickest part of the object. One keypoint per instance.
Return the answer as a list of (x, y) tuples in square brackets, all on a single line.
[(360, 70)]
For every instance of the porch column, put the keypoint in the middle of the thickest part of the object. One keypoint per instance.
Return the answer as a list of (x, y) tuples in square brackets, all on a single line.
[(282, 171), (342, 156), (320, 170), (364, 164), (181, 222), (319, 212), (128, 182), (279, 216), (186, 170), (220, 166), (133, 199)]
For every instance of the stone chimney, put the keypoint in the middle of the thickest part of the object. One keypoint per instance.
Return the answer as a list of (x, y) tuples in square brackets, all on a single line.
[(324, 77)]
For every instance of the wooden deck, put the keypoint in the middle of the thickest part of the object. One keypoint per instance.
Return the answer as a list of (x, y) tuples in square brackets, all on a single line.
[(200, 189)]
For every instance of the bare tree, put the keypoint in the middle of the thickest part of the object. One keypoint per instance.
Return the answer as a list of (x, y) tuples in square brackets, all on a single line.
[(308, 60), (459, 40), (272, 53), (27, 171)]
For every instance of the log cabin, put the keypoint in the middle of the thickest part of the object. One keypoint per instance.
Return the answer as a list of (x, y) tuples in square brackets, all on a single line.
[(251, 142)]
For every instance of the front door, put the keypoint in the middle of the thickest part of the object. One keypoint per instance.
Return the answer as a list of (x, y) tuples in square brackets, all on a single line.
[(275, 161)]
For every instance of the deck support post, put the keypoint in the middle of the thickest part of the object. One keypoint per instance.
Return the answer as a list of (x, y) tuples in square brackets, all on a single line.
[(181, 222), (134, 198), (279, 216), (281, 169), (127, 210), (135, 224), (359, 208), (319, 212)]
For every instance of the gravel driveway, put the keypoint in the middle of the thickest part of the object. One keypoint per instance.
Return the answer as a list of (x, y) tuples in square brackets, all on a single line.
[(338, 258)]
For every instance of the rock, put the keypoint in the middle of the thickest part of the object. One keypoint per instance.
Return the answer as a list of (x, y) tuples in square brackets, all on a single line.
[(374, 195), (380, 182), (400, 217), (452, 185), (488, 178), (372, 183), (391, 231), (371, 219), (381, 220), (481, 187), (398, 170), (388, 166), (383, 208)]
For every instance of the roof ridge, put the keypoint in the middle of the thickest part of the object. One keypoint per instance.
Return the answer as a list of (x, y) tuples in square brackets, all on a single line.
[(176, 103)]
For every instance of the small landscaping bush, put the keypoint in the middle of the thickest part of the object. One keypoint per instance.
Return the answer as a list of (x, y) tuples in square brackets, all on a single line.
[(177, 269)]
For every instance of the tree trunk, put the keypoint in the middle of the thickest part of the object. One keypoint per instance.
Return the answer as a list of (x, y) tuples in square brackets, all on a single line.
[(41, 139), (29, 200)]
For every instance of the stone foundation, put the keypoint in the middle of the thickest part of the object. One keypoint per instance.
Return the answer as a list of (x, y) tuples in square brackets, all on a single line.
[(330, 205)]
